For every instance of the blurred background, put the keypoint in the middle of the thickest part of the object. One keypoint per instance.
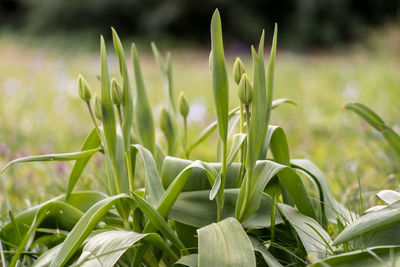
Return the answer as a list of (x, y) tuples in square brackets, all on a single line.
[(330, 52)]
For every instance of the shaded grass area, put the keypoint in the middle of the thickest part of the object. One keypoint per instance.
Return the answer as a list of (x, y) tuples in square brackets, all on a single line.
[(40, 111)]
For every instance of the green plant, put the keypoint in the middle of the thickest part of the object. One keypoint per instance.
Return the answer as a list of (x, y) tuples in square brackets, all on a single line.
[(252, 208)]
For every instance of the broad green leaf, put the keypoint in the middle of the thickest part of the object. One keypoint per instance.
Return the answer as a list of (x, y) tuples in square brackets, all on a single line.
[(158, 221), (314, 238), (370, 222), (197, 179), (53, 157), (60, 213), (238, 141), (143, 114), (83, 228), (154, 189), (373, 256), (219, 77), (389, 196), (268, 257), (225, 244), (331, 208), (170, 196), (45, 259), (263, 172), (189, 260), (92, 141), (195, 209), (105, 248)]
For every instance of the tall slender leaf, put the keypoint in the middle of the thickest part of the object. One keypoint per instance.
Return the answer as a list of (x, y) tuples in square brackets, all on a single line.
[(143, 114)]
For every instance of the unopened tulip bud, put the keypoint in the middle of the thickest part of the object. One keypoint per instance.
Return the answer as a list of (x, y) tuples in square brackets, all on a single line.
[(238, 70), (183, 105), (165, 121), (83, 89), (116, 92), (245, 90)]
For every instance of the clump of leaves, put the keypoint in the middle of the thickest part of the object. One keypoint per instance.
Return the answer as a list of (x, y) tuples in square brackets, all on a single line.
[(248, 209)]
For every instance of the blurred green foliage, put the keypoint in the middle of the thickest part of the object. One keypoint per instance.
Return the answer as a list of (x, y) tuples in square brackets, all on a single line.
[(303, 24)]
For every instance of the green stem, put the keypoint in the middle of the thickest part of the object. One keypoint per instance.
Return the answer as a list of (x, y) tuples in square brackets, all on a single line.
[(93, 118), (185, 137), (222, 186), (249, 169), (242, 149)]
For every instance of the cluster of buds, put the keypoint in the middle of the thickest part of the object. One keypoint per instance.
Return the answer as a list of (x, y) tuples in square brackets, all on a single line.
[(241, 79)]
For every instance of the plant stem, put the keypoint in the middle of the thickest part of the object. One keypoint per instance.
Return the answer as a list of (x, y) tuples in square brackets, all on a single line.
[(222, 186), (249, 169), (241, 156), (185, 137), (93, 118)]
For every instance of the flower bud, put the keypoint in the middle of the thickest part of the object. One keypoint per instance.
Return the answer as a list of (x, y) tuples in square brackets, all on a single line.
[(238, 70), (183, 105), (116, 92), (83, 89), (97, 107), (165, 121), (245, 90)]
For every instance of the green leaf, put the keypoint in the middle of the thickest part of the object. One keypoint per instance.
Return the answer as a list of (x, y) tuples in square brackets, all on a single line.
[(213, 126), (91, 142), (264, 171), (258, 127), (225, 244), (108, 116), (370, 222), (158, 221), (373, 256), (127, 103), (270, 75), (143, 114), (198, 179), (107, 247), (268, 257), (375, 121), (61, 214), (154, 189), (238, 141), (389, 196), (53, 157), (83, 228), (194, 208), (331, 208), (189, 260), (314, 238), (367, 114), (80, 200), (166, 72), (219, 77)]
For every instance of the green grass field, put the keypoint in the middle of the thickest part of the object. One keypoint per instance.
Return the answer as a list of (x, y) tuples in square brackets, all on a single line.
[(40, 111)]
